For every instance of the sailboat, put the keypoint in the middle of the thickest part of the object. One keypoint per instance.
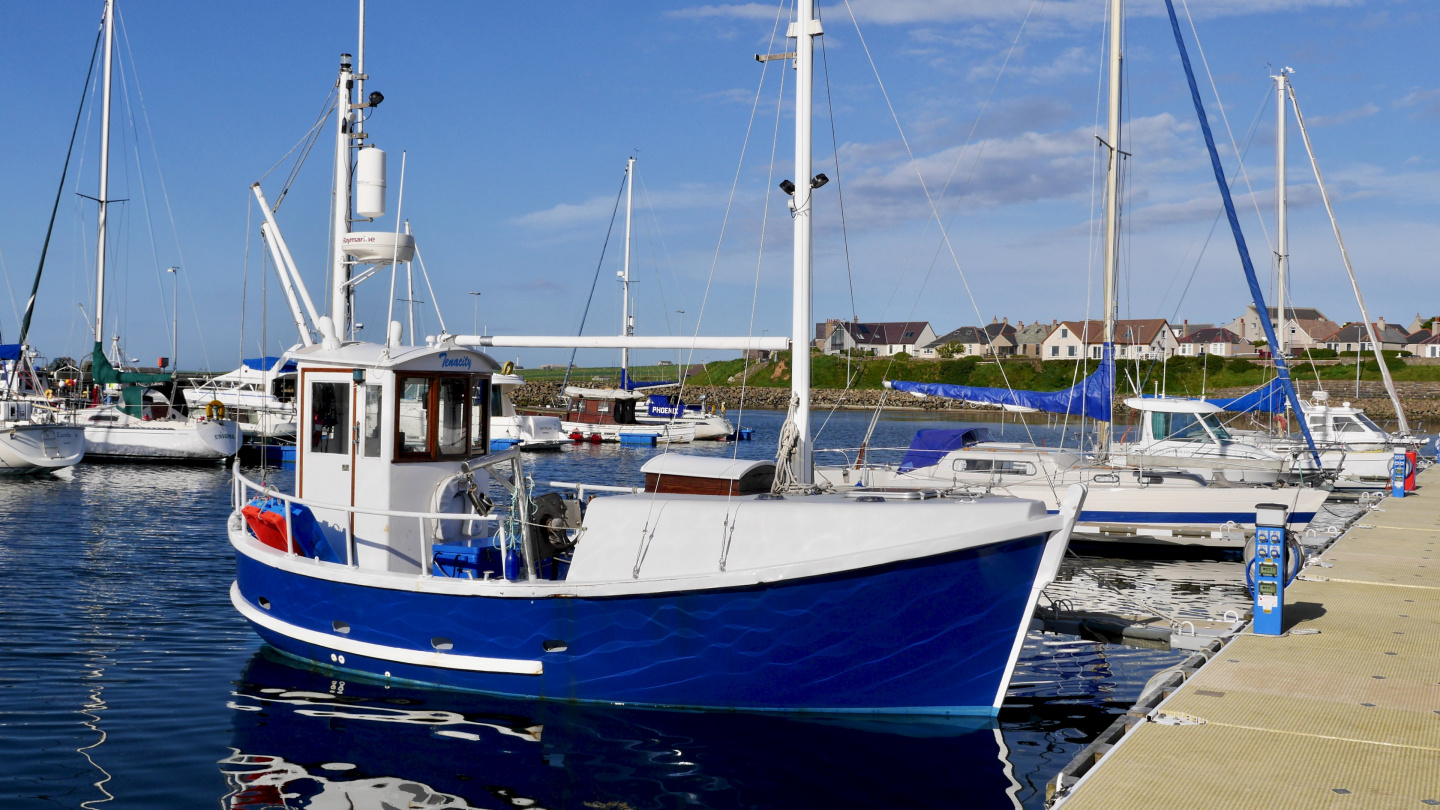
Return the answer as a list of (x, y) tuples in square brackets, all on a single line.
[(391, 560), (144, 425), (1158, 501), (259, 396), (1349, 446), (35, 436)]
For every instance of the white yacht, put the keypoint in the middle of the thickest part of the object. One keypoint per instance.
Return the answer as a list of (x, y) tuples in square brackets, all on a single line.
[(35, 435), (259, 396), (1187, 434), (1124, 505), (32, 441), (657, 409), (510, 429), (1355, 450), (142, 425), (154, 430), (608, 415)]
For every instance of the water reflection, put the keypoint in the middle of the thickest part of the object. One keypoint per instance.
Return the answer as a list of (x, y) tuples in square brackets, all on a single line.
[(303, 739)]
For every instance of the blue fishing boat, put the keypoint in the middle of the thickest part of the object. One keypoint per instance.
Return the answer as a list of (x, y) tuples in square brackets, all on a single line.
[(723, 584)]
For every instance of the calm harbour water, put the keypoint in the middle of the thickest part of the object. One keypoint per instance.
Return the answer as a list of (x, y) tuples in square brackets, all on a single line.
[(127, 680)]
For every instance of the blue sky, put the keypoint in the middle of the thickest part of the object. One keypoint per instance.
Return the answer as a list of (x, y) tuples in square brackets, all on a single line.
[(517, 120)]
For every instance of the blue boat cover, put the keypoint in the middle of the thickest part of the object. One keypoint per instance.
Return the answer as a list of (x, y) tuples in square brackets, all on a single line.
[(1268, 398), (929, 446), (1090, 397), (630, 384), (9, 351), (267, 363)]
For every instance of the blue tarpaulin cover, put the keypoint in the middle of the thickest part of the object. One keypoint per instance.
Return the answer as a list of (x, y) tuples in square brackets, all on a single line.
[(9, 351), (1089, 397), (929, 446), (1268, 398), (267, 363)]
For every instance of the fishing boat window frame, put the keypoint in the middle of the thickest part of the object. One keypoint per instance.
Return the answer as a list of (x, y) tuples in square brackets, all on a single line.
[(432, 416)]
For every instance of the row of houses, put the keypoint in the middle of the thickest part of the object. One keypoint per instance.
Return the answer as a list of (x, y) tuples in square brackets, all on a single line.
[(1145, 338)]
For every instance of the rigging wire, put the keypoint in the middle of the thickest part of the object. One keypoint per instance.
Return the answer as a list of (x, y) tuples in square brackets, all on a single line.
[(55, 209), (165, 193), (944, 232), (759, 261), (1226, 119), (725, 221), (586, 314)]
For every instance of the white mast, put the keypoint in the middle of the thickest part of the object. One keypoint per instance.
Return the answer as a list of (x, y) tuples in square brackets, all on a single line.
[(1112, 201), (627, 328), (339, 268), (104, 175), (803, 30), (1282, 236), (410, 287)]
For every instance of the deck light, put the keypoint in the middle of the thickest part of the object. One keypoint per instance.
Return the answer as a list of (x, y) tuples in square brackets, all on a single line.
[(818, 180), (787, 186)]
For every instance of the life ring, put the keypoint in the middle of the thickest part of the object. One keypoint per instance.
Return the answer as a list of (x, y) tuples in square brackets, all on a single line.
[(214, 409), (49, 393), (508, 368)]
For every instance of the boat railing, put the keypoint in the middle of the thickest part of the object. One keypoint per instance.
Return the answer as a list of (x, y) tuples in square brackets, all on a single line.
[(241, 494)]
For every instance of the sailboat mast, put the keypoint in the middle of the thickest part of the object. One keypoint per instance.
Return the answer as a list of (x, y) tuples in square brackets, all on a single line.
[(339, 268), (100, 245), (626, 328), (804, 30), (1282, 236), (1112, 199)]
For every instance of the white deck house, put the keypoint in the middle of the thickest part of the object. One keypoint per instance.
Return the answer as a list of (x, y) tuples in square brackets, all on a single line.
[(1147, 338)]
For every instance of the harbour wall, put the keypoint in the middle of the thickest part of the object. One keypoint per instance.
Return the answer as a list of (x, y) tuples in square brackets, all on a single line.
[(1420, 399)]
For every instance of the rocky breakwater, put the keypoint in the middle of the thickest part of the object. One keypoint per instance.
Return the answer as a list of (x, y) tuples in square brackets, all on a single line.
[(1421, 400), (547, 394)]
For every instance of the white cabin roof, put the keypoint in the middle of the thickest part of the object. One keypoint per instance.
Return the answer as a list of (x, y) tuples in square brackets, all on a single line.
[(728, 469), (601, 393), (441, 357), (1172, 405)]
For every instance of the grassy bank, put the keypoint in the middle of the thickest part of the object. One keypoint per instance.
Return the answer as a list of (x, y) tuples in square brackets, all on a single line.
[(1179, 376)]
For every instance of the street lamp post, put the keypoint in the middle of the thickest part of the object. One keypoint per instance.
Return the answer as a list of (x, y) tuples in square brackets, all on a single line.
[(174, 319), (680, 375), (475, 327)]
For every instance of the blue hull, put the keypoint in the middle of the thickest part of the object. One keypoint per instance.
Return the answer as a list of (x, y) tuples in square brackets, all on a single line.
[(1182, 518), (932, 635)]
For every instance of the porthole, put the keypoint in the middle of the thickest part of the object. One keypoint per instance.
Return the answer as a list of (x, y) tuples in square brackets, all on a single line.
[(340, 627), (440, 643), (555, 645), (263, 602)]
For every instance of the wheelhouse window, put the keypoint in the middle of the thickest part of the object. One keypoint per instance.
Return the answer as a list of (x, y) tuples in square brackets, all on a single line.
[(373, 397), (484, 393), (1180, 427), (330, 417), (441, 416), (412, 423)]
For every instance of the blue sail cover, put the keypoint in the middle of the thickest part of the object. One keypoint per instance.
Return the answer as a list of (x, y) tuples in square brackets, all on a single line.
[(9, 351), (267, 363), (929, 446), (1090, 397), (631, 384), (1268, 398)]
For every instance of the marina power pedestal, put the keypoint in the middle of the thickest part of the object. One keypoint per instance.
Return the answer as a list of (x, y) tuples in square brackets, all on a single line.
[(1268, 568), (1399, 471)]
